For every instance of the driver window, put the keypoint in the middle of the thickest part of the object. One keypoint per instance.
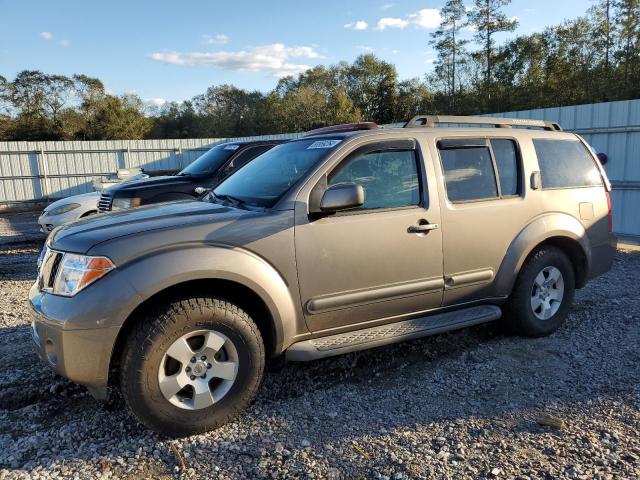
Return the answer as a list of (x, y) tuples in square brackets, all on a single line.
[(389, 178)]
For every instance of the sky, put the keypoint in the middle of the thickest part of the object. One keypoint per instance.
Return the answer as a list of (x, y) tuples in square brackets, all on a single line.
[(172, 50)]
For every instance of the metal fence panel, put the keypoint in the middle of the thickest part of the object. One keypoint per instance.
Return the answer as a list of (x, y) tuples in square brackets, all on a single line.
[(44, 170), (48, 170)]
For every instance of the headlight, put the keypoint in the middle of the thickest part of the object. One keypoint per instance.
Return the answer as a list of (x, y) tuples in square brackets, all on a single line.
[(121, 203), (63, 209), (78, 271)]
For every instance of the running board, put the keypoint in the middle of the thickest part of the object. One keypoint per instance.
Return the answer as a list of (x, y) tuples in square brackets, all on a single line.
[(391, 333)]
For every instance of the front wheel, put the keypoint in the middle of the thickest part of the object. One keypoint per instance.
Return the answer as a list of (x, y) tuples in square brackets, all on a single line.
[(192, 366), (543, 293)]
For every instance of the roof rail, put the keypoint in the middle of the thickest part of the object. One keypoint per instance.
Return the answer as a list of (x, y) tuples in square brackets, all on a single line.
[(345, 127), (430, 121)]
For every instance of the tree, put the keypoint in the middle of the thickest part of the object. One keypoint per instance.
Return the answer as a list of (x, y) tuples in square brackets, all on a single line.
[(600, 14), (118, 118), (177, 120), (450, 47), (414, 98), (627, 19), (229, 111), (372, 86), (488, 19)]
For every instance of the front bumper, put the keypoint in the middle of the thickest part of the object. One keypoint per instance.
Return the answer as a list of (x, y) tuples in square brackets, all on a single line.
[(80, 354)]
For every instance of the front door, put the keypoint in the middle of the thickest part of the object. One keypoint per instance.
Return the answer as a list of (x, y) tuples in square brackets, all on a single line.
[(381, 260)]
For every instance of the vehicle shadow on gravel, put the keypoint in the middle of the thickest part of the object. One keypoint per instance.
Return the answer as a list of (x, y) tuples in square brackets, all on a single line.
[(477, 372)]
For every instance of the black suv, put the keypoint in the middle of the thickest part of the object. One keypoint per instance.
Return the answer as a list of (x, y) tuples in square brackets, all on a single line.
[(206, 172)]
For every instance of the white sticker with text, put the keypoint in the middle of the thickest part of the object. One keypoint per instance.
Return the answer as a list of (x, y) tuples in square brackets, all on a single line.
[(324, 144)]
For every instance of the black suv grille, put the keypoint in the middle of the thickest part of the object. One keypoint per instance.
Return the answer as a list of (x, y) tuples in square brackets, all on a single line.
[(104, 204), (49, 269)]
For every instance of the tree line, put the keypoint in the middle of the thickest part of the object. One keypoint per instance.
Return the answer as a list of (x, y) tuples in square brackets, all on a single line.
[(592, 58)]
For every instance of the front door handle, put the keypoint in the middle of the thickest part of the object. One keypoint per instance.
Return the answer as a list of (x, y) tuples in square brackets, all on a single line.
[(422, 227)]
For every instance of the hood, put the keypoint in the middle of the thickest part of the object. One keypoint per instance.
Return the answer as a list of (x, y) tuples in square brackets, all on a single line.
[(82, 199), (81, 236), (151, 182)]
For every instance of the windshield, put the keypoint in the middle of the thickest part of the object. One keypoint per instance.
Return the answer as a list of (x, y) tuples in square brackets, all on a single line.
[(211, 161), (263, 181)]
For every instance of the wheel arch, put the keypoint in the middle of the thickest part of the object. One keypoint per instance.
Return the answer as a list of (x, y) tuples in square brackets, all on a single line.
[(234, 292), (559, 230), (241, 277)]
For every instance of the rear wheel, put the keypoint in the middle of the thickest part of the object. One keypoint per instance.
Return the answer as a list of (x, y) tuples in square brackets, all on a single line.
[(543, 293), (192, 366)]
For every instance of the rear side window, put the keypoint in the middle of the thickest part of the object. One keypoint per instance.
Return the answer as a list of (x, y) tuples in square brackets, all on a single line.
[(507, 162), (565, 164), (468, 173), (480, 168)]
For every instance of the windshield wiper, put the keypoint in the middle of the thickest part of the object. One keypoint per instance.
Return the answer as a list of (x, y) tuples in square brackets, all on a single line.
[(238, 202)]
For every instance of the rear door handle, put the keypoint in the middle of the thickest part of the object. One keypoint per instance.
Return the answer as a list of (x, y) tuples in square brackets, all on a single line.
[(423, 227)]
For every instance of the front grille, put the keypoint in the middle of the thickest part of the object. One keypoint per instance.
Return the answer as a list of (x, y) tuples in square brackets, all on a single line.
[(49, 269), (104, 204)]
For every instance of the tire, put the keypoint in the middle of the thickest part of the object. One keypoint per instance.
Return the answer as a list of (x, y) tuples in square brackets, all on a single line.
[(519, 314), (151, 370)]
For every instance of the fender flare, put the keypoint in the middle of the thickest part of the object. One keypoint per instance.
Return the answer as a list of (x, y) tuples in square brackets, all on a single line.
[(540, 229), (187, 262)]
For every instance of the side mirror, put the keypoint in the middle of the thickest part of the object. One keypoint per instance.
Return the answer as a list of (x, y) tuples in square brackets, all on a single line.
[(603, 157), (342, 196)]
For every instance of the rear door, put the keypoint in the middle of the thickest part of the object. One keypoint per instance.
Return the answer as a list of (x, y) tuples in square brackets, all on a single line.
[(370, 263), (482, 208)]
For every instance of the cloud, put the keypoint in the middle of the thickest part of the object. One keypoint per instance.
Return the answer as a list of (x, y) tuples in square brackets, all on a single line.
[(155, 102), (273, 59), (217, 39), (359, 25), (426, 18), (389, 22), (386, 6), (364, 48), (46, 35)]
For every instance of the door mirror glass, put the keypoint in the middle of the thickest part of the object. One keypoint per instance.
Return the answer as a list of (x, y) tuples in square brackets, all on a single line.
[(603, 157), (342, 196)]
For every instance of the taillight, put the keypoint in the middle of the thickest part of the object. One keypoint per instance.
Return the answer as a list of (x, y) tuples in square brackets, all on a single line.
[(609, 213)]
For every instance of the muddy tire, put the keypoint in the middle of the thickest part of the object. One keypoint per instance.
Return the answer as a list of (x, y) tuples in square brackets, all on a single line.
[(192, 365)]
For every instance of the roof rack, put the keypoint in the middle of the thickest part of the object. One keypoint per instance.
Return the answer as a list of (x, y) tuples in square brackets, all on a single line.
[(430, 121), (345, 127)]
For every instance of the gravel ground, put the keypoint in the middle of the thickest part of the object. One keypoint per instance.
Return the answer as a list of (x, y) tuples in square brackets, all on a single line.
[(16, 228), (470, 404)]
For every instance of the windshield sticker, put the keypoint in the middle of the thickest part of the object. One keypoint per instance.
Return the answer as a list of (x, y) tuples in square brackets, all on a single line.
[(232, 147), (324, 144)]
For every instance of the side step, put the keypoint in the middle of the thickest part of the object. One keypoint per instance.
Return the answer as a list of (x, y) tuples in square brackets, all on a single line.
[(391, 333)]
